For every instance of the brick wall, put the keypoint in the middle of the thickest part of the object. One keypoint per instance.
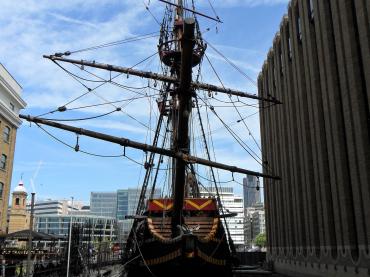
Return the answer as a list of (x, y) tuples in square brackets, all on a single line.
[(7, 148)]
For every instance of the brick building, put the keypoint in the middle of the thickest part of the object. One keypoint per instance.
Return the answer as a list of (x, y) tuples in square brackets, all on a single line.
[(19, 218), (10, 104)]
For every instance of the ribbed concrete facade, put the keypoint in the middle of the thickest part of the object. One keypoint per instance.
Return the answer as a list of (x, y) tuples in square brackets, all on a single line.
[(318, 140)]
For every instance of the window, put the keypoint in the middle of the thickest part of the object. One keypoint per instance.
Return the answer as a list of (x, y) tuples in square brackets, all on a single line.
[(17, 201), (311, 9), (274, 81), (289, 46), (299, 27), (1, 189), (6, 134), (3, 161), (281, 61)]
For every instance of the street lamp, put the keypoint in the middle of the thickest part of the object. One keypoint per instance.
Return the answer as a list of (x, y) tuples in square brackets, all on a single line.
[(69, 239), (30, 236), (251, 224)]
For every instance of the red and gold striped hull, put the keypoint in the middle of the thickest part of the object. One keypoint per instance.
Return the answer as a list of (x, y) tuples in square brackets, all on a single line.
[(201, 247)]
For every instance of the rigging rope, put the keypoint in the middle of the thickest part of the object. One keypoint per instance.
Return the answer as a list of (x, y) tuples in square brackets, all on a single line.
[(90, 153), (114, 43), (147, 8), (160, 160), (72, 147), (232, 64), (218, 198), (230, 124), (238, 139), (230, 102), (85, 118), (213, 9), (112, 102), (92, 89), (241, 118)]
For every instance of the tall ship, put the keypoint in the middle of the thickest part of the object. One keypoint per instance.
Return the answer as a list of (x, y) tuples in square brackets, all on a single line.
[(180, 233)]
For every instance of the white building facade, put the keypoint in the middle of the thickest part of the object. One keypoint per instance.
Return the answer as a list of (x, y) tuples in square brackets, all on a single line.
[(232, 204), (53, 207)]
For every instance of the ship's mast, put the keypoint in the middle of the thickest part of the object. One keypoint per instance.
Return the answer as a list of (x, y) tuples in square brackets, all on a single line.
[(181, 108)]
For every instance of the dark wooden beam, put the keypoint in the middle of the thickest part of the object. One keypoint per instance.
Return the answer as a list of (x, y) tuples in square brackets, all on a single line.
[(159, 77), (145, 147)]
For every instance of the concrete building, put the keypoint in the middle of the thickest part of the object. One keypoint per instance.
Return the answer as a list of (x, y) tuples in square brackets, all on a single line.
[(53, 207), (84, 210), (103, 204), (251, 194), (10, 105), (259, 222), (318, 139), (18, 215), (102, 228), (254, 223), (234, 204)]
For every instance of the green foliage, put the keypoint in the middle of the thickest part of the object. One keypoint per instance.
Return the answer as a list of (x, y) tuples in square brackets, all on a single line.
[(260, 240)]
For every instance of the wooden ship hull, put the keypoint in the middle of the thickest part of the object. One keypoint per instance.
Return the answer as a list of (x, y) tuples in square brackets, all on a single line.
[(182, 235), (201, 246)]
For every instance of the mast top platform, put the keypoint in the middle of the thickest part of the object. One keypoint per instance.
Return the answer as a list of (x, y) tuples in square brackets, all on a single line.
[(170, 49), (170, 56)]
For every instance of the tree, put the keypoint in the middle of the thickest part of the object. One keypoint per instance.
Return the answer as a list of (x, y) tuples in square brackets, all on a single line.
[(260, 240)]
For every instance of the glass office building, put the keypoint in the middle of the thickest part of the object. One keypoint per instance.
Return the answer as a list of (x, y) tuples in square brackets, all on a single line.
[(252, 196), (101, 227), (103, 204), (127, 200)]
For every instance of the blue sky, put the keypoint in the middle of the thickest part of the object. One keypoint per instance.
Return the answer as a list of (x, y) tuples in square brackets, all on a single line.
[(31, 28)]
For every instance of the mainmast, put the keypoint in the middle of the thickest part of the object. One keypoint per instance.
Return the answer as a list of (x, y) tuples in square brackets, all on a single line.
[(181, 109)]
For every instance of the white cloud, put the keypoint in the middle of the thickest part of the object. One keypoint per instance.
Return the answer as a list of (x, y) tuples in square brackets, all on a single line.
[(73, 21), (44, 28)]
